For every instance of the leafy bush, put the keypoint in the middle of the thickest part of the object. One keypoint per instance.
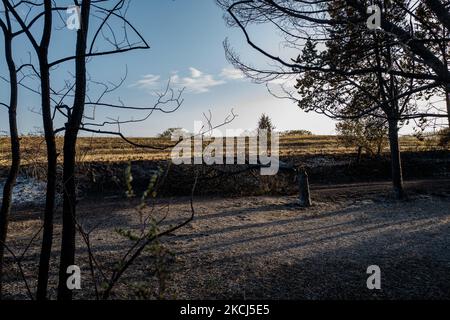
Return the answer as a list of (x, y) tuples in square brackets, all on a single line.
[(366, 133), (169, 132), (297, 133)]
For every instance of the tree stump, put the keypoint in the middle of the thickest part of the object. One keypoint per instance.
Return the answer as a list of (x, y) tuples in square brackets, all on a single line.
[(359, 155), (304, 193)]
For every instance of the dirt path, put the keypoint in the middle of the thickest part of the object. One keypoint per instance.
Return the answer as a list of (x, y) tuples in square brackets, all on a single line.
[(267, 247)]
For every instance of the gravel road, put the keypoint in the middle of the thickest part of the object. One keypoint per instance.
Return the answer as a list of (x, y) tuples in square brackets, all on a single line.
[(267, 247)]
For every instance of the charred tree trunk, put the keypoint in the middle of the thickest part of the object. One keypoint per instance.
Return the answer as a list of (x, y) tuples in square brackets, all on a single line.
[(69, 213), (70, 140), (304, 192), (392, 112), (447, 99), (15, 151), (396, 163), (47, 238)]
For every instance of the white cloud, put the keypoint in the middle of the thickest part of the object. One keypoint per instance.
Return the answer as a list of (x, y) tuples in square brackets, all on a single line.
[(232, 74), (149, 81), (198, 82), (195, 73)]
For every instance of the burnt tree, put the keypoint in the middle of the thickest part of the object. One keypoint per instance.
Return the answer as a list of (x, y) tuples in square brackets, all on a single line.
[(14, 139)]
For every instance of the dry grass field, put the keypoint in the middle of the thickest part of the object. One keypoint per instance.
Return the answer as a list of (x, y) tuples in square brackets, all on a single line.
[(104, 149)]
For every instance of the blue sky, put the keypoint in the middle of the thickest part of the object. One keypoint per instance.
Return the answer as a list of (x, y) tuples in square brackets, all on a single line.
[(186, 39)]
